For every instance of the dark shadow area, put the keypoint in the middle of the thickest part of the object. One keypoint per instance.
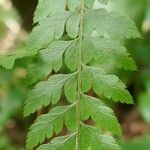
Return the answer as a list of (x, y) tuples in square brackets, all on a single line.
[(26, 9)]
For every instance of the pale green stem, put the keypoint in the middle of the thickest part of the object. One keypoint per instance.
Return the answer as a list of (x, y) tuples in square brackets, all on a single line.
[(78, 107)]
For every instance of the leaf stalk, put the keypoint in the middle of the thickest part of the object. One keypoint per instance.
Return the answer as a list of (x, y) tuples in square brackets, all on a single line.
[(79, 91)]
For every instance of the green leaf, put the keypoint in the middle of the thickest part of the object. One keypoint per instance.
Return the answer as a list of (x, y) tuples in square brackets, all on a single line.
[(103, 1), (72, 25), (47, 124), (47, 30), (70, 90), (61, 143), (72, 4), (101, 114), (108, 51), (92, 138), (53, 55), (86, 76), (108, 85), (7, 60), (35, 75), (48, 7), (89, 3), (87, 52), (110, 24), (71, 57), (45, 92), (72, 38)]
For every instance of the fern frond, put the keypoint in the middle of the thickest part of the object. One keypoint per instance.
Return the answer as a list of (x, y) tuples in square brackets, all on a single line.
[(47, 7), (34, 67), (49, 123), (7, 60), (47, 30), (62, 142), (108, 85), (108, 51), (54, 53), (46, 92), (94, 139), (110, 24), (72, 25), (102, 115), (74, 40)]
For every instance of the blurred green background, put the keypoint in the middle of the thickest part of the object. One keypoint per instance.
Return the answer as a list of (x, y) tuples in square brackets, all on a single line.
[(15, 24)]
